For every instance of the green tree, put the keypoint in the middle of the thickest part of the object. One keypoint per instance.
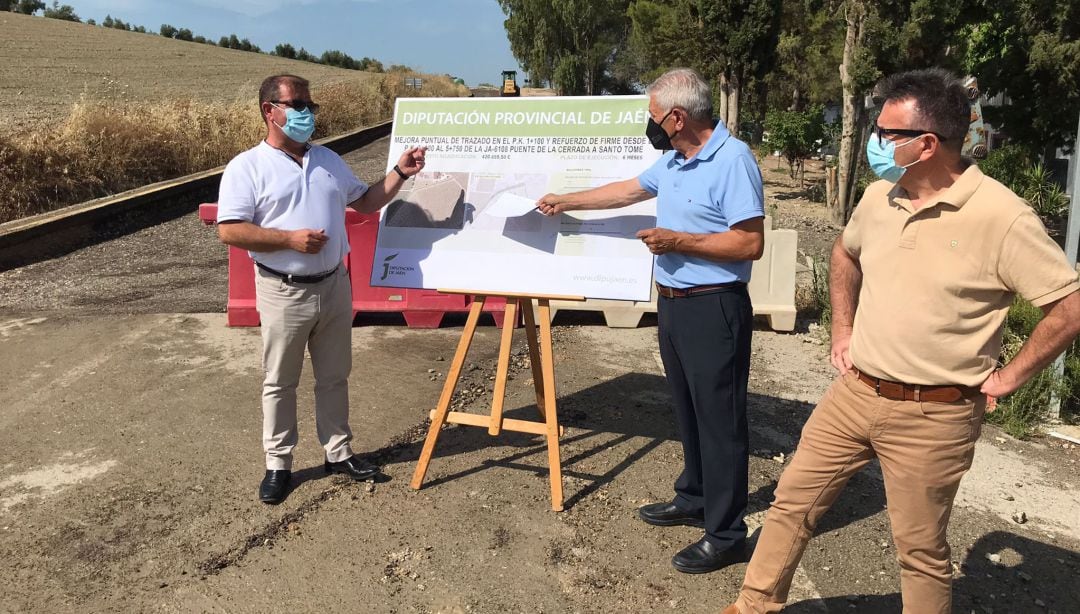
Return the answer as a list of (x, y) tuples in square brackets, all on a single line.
[(64, 12), (28, 7), (1030, 51), (337, 58), (107, 22), (371, 65), (183, 34), (305, 56), (166, 30), (285, 50), (808, 52), (570, 43), (731, 42), (233, 42), (745, 34), (795, 135)]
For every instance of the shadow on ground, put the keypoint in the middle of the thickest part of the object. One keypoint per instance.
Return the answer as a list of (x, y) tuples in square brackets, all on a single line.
[(635, 409), (1021, 582)]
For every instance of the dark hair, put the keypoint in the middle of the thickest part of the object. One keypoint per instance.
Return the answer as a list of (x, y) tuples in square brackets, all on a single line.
[(941, 102), (271, 86)]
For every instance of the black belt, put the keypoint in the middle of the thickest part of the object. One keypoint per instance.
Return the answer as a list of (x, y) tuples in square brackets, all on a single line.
[(669, 292), (298, 279)]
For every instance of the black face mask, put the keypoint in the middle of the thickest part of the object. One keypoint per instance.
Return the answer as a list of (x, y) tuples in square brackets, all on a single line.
[(656, 135)]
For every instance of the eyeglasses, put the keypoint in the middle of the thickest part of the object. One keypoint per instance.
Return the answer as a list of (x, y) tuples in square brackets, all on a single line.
[(884, 132), (299, 105)]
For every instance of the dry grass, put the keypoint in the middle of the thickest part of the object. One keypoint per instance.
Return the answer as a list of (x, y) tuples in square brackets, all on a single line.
[(105, 146)]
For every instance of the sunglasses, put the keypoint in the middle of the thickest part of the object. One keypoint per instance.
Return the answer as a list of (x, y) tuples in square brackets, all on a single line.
[(298, 105), (884, 132)]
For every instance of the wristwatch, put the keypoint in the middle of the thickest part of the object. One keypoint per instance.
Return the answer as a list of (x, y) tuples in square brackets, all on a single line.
[(397, 169)]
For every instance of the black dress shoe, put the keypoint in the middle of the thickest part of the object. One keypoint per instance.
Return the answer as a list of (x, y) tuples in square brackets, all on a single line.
[(274, 486), (703, 557), (354, 467), (668, 515)]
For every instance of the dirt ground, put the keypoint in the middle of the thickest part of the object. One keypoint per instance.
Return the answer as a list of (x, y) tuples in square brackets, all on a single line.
[(130, 457), (47, 64)]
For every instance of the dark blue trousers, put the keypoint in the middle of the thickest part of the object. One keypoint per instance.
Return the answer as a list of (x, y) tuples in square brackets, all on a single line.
[(705, 346)]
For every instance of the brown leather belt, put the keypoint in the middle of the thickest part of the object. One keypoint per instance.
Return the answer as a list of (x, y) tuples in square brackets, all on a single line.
[(668, 292), (898, 391)]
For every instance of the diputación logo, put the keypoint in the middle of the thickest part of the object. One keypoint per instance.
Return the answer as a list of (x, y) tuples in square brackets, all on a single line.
[(394, 270)]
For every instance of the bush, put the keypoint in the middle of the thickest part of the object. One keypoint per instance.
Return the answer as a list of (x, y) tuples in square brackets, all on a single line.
[(1006, 164), (1014, 167), (1022, 411), (1043, 194)]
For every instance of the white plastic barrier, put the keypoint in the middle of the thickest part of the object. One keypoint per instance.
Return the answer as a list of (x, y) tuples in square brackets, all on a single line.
[(772, 288)]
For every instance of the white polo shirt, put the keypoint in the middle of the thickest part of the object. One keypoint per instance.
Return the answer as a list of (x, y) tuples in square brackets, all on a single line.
[(266, 186)]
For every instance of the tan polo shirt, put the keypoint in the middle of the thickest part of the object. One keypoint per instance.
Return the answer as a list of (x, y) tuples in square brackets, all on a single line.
[(938, 282)]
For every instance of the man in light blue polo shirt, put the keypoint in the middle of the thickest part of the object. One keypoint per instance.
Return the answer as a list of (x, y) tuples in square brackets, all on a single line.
[(710, 227), (284, 201)]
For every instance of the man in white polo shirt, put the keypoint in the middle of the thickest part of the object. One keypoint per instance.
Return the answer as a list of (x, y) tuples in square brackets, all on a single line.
[(284, 201)]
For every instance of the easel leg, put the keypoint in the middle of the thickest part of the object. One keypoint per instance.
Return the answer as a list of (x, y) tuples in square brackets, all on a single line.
[(448, 392), (534, 353), (499, 393), (548, 372)]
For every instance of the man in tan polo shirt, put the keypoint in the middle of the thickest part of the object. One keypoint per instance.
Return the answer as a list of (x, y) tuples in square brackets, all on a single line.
[(922, 278)]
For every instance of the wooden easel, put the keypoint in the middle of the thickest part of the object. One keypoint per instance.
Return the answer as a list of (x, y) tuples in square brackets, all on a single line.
[(543, 369)]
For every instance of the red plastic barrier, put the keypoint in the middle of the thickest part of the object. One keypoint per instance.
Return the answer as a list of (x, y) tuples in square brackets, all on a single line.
[(421, 308), (240, 308)]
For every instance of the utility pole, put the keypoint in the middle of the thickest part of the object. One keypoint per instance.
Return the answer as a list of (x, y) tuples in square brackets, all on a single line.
[(1072, 241)]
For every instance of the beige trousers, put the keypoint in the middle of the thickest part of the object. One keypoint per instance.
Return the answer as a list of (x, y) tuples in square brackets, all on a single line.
[(319, 317), (924, 449)]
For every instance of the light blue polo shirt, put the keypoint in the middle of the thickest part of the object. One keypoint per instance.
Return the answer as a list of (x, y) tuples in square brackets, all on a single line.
[(709, 193), (265, 186)]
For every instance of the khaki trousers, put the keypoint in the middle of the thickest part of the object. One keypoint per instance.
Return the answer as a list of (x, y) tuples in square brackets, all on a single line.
[(924, 449), (319, 317)]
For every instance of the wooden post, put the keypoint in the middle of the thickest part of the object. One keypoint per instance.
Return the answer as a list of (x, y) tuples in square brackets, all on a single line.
[(543, 369)]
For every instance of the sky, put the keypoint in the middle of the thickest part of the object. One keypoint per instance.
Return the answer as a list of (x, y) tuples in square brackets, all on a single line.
[(464, 38)]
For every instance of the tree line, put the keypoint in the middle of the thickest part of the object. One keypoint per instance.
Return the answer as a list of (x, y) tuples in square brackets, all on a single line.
[(332, 57), (789, 55)]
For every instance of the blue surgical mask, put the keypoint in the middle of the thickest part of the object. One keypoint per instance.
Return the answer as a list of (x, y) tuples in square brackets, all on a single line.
[(881, 156), (299, 125)]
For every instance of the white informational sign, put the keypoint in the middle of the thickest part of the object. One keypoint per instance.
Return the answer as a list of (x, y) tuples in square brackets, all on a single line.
[(469, 221)]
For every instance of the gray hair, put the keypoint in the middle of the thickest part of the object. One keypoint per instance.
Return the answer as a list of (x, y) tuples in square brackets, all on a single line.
[(684, 88)]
